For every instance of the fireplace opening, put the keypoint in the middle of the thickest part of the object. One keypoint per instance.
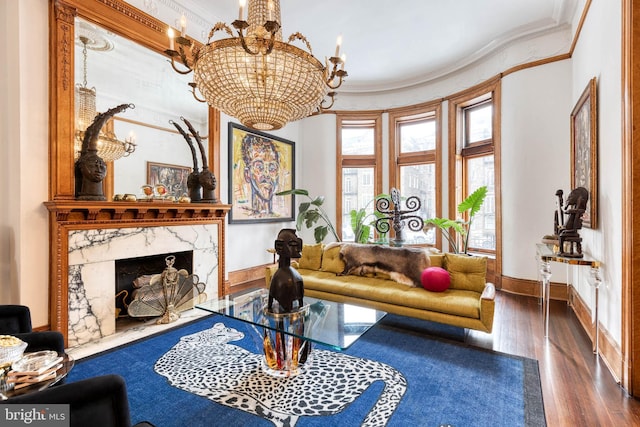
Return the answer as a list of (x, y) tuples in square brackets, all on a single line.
[(132, 272)]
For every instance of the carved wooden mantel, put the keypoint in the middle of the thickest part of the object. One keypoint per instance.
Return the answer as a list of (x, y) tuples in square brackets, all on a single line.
[(79, 215)]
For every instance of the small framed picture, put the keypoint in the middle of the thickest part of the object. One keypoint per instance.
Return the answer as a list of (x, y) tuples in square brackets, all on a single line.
[(260, 165), (173, 177)]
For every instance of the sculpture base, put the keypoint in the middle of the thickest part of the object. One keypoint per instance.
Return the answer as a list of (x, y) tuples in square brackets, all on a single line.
[(285, 349)]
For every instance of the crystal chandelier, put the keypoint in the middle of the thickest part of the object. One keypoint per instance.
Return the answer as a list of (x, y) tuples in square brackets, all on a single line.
[(255, 76), (109, 147)]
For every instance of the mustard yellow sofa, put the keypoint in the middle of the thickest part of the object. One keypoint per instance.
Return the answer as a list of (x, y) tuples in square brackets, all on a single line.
[(469, 301)]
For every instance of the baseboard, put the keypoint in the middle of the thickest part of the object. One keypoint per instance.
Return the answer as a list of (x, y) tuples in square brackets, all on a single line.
[(532, 288), (609, 350), (251, 277)]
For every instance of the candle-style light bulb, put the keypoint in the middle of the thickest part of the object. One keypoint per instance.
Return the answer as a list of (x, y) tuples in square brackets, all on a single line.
[(338, 44), (270, 8), (171, 35), (183, 25), (241, 13), (343, 59)]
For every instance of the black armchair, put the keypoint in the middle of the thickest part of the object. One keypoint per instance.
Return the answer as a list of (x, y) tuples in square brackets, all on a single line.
[(16, 320), (97, 402)]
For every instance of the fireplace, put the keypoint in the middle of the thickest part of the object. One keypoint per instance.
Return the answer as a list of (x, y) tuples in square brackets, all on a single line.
[(87, 237)]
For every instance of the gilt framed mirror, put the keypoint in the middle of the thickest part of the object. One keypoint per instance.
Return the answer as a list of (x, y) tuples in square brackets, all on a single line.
[(143, 35)]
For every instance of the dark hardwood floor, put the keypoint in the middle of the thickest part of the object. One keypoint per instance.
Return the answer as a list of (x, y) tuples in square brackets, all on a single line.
[(577, 387)]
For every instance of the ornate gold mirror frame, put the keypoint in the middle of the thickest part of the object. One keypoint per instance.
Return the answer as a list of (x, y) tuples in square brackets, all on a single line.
[(66, 213), (119, 18)]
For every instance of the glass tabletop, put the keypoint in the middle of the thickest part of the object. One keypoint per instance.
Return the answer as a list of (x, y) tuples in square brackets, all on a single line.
[(334, 324), (547, 253)]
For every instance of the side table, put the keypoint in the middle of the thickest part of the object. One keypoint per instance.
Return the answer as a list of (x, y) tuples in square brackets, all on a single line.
[(546, 256)]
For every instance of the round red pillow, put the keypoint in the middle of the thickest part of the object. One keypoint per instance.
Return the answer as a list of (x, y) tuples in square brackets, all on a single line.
[(435, 279)]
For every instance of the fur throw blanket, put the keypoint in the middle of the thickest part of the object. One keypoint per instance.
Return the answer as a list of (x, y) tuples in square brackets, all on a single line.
[(403, 265)]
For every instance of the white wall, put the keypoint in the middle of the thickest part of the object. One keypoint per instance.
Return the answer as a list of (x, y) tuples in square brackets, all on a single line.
[(24, 227), (535, 160), (598, 54)]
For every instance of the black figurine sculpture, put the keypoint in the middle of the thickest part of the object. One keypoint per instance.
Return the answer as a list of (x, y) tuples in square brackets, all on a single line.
[(206, 178), (193, 180), (569, 240), (90, 168), (286, 284)]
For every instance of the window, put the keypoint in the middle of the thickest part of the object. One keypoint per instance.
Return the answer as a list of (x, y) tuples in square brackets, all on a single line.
[(359, 179), (473, 118), (414, 148)]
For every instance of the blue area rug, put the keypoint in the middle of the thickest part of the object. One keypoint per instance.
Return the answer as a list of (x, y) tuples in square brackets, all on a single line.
[(401, 366)]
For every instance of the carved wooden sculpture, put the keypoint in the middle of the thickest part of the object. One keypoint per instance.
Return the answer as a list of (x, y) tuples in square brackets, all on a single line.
[(206, 177), (570, 241), (286, 284), (193, 180)]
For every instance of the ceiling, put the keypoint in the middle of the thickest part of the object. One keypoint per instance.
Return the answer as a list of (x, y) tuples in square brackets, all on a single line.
[(391, 44)]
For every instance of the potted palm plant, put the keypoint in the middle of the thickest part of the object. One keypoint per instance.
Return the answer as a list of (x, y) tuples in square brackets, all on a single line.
[(452, 228)]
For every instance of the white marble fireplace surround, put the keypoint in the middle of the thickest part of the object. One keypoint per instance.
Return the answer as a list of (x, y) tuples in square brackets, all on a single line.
[(91, 269)]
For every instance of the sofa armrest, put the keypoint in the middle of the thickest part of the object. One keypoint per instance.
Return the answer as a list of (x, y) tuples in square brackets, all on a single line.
[(489, 292)]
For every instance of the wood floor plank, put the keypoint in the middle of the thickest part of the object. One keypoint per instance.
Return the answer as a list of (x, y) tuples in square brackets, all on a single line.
[(577, 387)]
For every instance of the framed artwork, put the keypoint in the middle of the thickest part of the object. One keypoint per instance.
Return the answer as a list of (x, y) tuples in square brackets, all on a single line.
[(173, 177), (260, 165), (584, 150)]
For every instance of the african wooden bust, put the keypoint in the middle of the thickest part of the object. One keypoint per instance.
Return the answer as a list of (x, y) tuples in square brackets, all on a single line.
[(90, 169)]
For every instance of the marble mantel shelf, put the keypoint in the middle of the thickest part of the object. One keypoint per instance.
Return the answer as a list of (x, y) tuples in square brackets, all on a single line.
[(83, 211)]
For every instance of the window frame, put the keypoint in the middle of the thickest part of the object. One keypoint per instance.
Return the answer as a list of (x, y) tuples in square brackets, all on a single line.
[(397, 159), (371, 119), (458, 153)]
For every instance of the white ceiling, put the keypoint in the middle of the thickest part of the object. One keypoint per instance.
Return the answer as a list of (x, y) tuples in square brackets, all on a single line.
[(391, 44)]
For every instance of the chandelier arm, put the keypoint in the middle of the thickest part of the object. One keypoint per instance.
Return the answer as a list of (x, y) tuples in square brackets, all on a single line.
[(322, 107), (195, 95), (173, 64), (243, 42)]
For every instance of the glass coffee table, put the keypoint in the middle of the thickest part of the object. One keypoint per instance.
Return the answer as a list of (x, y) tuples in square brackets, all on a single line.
[(287, 338)]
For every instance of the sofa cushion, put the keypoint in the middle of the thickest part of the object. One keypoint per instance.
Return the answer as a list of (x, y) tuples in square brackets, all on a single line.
[(331, 259), (467, 272), (437, 260), (311, 256), (435, 279)]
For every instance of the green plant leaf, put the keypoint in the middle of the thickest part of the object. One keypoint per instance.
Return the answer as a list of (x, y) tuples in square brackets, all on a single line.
[(474, 201), (304, 206), (318, 201), (363, 236), (296, 191), (320, 233), (311, 217), (445, 224)]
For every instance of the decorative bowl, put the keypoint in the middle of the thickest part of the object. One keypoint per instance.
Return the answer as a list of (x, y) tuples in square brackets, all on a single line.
[(11, 349)]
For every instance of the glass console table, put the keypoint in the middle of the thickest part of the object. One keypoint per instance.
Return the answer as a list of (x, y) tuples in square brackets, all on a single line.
[(546, 256), (287, 338)]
